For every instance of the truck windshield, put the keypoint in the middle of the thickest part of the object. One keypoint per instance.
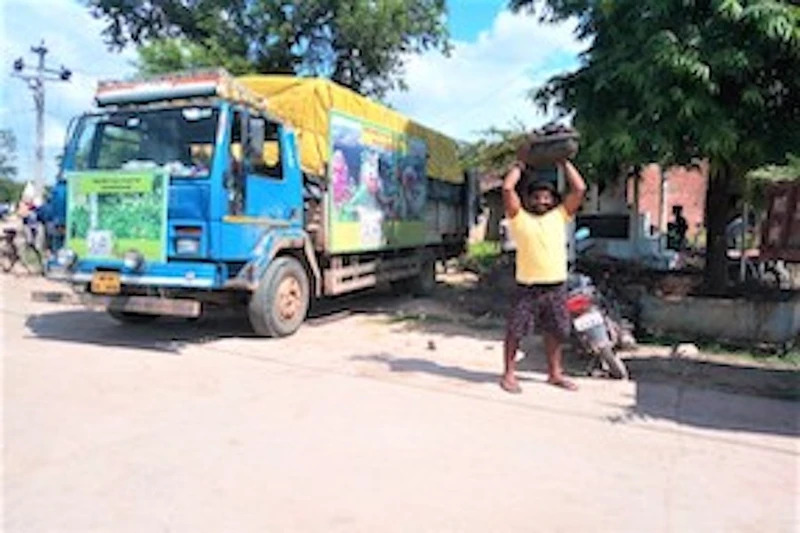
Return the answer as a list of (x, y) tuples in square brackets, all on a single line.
[(178, 140)]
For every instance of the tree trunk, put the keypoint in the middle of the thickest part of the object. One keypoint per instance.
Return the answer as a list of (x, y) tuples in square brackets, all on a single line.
[(717, 197)]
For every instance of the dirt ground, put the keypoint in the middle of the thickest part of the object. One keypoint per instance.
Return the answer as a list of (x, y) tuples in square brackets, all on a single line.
[(381, 414)]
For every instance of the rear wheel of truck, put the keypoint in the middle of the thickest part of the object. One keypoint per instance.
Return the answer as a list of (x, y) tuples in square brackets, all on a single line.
[(280, 303), (425, 282), (131, 318)]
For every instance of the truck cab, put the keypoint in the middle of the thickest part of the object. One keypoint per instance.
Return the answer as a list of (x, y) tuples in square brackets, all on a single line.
[(171, 188)]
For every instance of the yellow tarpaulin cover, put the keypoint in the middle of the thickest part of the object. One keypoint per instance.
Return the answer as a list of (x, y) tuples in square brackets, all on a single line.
[(305, 103)]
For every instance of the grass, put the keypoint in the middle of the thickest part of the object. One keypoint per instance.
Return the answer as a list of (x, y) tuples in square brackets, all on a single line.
[(482, 255)]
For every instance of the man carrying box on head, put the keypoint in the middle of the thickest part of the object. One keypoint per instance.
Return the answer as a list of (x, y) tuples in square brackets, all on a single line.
[(538, 224)]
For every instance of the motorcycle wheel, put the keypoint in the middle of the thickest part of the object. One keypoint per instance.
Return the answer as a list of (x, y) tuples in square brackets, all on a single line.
[(616, 367)]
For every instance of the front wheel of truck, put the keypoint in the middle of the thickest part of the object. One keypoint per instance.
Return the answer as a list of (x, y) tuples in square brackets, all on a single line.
[(280, 302)]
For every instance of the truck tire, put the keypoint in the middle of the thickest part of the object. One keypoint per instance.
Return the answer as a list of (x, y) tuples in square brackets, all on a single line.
[(615, 365), (280, 303), (425, 282), (126, 317)]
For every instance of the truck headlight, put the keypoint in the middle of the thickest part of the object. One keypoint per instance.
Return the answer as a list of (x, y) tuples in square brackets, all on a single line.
[(187, 246), (66, 258), (133, 260)]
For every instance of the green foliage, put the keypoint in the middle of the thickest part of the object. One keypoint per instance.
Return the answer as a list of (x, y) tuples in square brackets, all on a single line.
[(8, 154), (360, 43), (674, 80), (670, 80), (483, 250), (760, 178), (178, 53), (495, 151), (481, 256), (770, 173), (10, 190)]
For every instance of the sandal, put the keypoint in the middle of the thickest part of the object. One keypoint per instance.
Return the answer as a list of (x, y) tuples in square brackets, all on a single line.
[(511, 388), (563, 383)]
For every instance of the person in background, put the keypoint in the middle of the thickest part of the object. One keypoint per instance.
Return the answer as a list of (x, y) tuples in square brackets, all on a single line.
[(539, 228), (27, 210), (676, 230)]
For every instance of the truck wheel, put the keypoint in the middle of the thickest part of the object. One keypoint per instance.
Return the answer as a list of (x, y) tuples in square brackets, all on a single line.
[(614, 363), (280, 303), (425, 282), (126, 317)]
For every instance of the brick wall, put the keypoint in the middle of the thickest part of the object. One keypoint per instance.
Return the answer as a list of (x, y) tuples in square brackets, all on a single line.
[(686, 187)]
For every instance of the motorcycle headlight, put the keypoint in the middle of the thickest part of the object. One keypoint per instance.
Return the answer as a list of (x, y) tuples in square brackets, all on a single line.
[(66, 258), (133, 260)]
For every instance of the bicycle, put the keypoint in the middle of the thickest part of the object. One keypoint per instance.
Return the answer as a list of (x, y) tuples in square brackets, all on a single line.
[(12, 253)]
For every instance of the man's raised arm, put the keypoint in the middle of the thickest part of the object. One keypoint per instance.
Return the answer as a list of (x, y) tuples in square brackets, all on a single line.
[(511, 200), (577, 187)]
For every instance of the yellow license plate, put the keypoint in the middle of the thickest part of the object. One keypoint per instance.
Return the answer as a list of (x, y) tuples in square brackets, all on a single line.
[(106, 283)]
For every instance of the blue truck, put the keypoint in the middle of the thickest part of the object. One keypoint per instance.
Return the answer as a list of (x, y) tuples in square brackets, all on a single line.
[(196, 190)]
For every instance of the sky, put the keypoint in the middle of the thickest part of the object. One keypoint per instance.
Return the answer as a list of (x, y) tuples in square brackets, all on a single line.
[(497, 57)]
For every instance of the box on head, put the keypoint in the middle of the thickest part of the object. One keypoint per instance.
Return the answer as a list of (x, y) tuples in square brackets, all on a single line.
[(541, 150)]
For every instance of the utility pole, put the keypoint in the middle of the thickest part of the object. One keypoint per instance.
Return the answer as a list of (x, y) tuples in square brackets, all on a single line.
[(662, 209), (36, 79)]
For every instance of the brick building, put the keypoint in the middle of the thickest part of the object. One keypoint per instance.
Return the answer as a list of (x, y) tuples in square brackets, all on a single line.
[(685, 187)]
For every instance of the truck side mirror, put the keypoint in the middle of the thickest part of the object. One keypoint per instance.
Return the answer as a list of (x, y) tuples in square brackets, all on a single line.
[(255, 145)]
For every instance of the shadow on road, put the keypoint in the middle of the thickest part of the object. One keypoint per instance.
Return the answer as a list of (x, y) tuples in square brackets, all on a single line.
[(715, 396), (710, 409), (163, 335), (426, 366), (782, 384), (169, 335)]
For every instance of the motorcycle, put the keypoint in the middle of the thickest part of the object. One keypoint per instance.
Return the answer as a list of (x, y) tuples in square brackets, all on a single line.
[(594, 332)]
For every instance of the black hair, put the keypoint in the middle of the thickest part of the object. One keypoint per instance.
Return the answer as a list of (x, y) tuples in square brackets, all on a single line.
[(544, 185)]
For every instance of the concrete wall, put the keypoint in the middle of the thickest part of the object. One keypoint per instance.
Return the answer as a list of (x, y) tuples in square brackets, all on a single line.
[(613, 199), (724, 319)]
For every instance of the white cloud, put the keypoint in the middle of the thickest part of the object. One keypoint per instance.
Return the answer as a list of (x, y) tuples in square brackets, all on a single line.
[(484, 83)]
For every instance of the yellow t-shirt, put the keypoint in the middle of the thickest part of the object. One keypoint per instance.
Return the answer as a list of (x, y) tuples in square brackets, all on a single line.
[(541, 245)]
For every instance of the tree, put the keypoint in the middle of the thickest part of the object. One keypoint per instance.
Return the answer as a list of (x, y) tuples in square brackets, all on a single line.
[(175, 54), (361, 44), (10, 190), (8, 154), (673, 80), (494, 151)]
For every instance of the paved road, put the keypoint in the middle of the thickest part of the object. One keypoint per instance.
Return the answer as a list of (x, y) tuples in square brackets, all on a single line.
[(361, 423)]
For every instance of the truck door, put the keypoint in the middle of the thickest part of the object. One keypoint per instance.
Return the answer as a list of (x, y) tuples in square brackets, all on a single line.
[(264, 185)]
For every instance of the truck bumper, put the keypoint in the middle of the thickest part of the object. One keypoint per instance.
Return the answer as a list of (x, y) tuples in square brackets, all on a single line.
[(145, 305), (166, 275)]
